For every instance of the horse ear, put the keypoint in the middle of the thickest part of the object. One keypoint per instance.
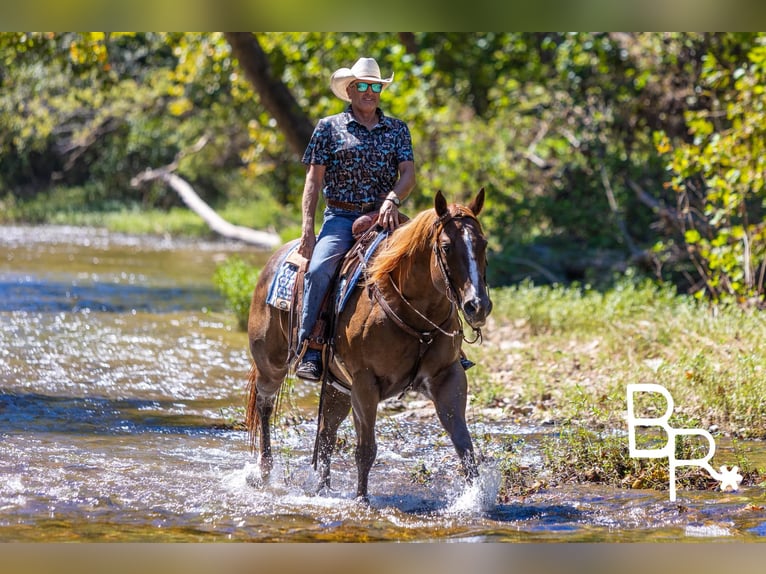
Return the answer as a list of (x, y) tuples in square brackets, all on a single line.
[(477, 203), (440, 204)]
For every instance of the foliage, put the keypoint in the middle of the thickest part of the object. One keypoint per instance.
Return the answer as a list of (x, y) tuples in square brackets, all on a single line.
[(581, 455), (718, 177), (236, 279), (560, 129), (558, 359)]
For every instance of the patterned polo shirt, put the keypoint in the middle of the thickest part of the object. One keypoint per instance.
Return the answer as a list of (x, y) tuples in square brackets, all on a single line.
[(361, 165)]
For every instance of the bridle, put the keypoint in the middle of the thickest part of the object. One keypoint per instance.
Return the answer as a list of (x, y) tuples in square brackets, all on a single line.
[(451, 290), (427, 337)]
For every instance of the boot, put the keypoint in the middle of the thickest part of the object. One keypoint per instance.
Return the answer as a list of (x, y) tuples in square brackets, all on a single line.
[(310, 367)]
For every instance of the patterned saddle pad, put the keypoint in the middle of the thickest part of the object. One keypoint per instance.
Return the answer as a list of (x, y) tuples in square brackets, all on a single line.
[(282, 286)]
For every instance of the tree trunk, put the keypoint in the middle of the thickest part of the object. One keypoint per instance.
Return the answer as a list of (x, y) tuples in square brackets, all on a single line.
[(274, 95)]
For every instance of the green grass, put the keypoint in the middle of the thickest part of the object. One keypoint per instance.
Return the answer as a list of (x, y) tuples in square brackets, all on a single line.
[(564, 356), (570, 353), (235, 279)]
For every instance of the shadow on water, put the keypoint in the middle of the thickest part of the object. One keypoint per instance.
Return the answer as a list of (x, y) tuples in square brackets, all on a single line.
[(548, 517), (38, 413), (35, 295)]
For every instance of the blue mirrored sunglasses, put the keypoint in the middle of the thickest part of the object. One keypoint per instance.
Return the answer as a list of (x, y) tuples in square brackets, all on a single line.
[(362, 87)]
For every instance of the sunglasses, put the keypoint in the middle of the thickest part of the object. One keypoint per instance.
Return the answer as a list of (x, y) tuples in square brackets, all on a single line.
[(362, 87)]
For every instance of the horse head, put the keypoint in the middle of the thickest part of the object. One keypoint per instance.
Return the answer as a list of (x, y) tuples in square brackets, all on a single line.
[(460, 252)]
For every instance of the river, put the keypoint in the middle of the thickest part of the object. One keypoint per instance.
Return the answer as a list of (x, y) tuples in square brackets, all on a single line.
[(122, 386)]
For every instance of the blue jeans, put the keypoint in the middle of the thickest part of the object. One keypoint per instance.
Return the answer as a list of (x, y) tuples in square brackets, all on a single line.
[(334, 241)]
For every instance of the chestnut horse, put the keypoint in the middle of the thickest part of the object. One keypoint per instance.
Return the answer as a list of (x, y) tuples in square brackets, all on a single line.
[(400, 331)]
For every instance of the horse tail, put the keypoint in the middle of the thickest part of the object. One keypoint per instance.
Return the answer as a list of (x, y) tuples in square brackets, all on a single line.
[(252, 418)]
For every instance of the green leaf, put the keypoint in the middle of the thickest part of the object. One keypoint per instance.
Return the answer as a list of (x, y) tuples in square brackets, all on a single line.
[(692, 236)]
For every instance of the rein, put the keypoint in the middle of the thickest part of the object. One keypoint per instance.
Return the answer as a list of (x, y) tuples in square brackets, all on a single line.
[(425, 338), (422, 336)]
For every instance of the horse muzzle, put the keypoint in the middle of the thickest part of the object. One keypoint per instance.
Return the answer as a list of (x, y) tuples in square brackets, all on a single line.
[(476, 310)]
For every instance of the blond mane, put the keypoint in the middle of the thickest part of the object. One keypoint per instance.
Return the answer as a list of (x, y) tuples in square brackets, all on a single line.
[(412, 237)]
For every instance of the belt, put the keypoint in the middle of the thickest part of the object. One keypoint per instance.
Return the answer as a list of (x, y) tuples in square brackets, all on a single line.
[(361, 207)]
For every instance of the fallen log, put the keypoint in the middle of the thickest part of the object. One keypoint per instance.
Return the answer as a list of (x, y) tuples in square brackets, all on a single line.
[(262, 239)]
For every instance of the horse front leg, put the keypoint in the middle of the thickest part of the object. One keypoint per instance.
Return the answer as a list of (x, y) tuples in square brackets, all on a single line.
[(365, 399), (449, 398), (335, 408)]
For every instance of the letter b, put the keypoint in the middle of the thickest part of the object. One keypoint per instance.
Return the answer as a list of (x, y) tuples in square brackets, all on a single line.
[(662, 422)]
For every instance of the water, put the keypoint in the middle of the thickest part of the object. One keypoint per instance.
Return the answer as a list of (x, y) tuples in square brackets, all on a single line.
[(122, 383)]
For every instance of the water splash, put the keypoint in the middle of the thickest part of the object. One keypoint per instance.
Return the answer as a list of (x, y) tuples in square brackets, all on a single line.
[(480, 496)]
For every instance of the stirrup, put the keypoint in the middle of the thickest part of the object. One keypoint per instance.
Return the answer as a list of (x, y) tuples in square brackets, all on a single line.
[(466, 363)]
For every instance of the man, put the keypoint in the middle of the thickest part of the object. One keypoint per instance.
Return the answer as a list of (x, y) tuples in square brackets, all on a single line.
[(361, 160)]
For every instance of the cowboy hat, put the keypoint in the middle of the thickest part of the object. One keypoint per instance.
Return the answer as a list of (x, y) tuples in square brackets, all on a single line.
[(365, 69)]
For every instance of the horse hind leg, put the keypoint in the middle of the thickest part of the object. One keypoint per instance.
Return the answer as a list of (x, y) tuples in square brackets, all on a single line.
[(260, 406), (334, 410)]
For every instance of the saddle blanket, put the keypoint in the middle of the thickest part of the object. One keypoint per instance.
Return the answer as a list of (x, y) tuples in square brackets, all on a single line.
[(283, 284)]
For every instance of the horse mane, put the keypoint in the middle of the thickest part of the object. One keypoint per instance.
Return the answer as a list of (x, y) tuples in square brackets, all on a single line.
[(415, 235)]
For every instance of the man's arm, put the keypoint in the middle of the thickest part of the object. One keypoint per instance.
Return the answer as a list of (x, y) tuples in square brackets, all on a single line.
[(311, 190), (406, 181), (389, 212)]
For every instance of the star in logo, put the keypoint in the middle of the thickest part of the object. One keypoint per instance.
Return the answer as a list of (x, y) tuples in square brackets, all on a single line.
[(729, 478)]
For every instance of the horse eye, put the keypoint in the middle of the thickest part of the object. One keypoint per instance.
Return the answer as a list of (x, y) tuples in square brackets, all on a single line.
[(445, 247)]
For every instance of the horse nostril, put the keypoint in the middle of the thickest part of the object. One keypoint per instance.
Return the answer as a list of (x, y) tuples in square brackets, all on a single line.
[(477, 309), (470, 307)]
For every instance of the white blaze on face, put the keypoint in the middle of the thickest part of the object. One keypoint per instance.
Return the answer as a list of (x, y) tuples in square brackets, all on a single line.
[(473, 265)]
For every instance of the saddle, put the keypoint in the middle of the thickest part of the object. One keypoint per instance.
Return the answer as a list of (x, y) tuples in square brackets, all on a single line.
[(286, 290)]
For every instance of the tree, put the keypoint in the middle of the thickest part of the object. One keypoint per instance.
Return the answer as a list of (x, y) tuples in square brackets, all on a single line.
[(273, 93), (558, 128), (718, 177)]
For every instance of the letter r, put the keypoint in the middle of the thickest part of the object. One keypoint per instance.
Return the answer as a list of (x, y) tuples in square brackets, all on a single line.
[(703, 462)]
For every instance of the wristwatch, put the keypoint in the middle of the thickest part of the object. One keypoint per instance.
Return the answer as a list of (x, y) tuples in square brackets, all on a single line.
[(393, 198)]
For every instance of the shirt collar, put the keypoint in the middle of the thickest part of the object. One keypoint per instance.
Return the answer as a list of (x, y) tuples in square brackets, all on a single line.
[(382, 118)]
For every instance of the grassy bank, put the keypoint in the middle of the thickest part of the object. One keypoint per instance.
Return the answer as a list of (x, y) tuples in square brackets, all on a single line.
[(566, 355), (85, 207), (562, 357)]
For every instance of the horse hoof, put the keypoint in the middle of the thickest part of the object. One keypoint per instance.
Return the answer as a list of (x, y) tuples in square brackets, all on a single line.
[(363, 499), (266, 464), (254, 481)]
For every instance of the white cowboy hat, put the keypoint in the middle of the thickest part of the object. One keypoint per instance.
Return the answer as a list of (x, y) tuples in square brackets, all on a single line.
[(365, 69)]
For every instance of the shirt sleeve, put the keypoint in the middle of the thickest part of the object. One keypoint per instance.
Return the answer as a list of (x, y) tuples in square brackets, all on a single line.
[(404, 150), (318, 152)]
